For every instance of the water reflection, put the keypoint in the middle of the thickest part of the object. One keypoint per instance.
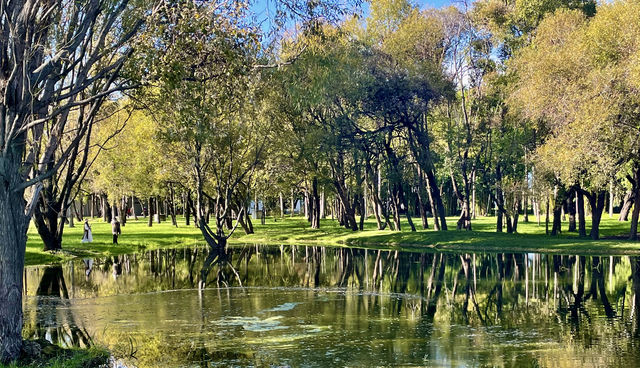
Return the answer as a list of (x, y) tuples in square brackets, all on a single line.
[(293, 305)]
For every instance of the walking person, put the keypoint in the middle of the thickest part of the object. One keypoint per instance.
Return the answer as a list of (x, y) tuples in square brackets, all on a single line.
[(115, 230), (87, 236)]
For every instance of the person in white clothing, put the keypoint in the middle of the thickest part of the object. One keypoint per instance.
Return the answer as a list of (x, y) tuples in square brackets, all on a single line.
[(87, 237)]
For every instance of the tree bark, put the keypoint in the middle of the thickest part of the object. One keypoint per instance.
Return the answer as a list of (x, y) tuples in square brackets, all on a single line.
[(582, 228), (557, 211), (629, 199), (571, 209), (596, 202), (13, 230), (150, 210), (187, 208), (172, 205), (499, 200), (281, 205), (633, 232), (314, 203)]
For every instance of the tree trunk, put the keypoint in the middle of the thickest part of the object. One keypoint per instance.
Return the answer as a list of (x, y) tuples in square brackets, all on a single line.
[(546, 219), (627, 203), (187, 208), (437, 199), (611, 199), (105, 208), (582, 228), (571, 209), (281, 205), (499, 200), (114, 210), (255, 205), (123, 211), (157, 209), (307, 214), (172, 205), (596, 202), (13, 230), (370, 182), (69, 215), (133, 206), (315, 204), (293, 204), (633, 233), (557, 211), (92, 205), (150, 210), (421, 203)]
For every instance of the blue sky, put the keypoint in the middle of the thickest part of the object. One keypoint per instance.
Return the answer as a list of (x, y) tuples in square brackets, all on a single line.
[(264, 9), (433, 3)]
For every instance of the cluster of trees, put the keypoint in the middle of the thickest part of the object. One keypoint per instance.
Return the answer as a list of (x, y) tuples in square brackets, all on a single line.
[(510, 109), (499, 107)]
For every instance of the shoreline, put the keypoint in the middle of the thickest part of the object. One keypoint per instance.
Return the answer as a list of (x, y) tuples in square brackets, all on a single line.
[(138, 237)]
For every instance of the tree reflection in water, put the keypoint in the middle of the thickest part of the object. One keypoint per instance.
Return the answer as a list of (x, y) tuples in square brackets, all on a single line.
[(587, 304), (54, 321)]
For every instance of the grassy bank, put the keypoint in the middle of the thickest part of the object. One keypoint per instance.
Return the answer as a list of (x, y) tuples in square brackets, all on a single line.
[(40, 353), (531, 237)]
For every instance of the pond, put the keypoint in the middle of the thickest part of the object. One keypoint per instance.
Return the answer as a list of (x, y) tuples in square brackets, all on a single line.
[(322, 306)]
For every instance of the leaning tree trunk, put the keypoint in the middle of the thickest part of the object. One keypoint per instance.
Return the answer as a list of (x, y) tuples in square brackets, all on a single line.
[(437, 199), (626, 206), (13, 230)]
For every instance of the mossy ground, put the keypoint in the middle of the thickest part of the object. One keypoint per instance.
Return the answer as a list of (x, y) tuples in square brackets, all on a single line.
[(137, 236)]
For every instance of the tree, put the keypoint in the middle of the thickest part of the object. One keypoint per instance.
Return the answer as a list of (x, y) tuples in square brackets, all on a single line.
[(571, 78), (54, 59)]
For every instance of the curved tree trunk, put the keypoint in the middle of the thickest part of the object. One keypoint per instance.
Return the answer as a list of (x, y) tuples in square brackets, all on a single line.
[(628, 201)]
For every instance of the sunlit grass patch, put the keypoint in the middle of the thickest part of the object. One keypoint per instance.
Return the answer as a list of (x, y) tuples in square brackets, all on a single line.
[(137, 236)]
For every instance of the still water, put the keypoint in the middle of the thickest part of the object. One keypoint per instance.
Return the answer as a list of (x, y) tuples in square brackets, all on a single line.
[(320, 306)]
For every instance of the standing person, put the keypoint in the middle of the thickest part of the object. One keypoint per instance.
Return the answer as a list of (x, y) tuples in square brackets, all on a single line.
[(115, 230), (87, 237)]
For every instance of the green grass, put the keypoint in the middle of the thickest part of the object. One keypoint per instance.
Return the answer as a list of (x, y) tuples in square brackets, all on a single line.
[(52, 356), (136, 236)]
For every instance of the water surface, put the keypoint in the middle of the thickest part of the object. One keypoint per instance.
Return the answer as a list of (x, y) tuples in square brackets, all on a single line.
[(316, 306)]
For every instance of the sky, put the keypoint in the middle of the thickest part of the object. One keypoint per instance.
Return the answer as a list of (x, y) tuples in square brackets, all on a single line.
[(264, 10)]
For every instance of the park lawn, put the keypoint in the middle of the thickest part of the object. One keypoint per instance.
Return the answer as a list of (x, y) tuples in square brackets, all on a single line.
[(137, 236)]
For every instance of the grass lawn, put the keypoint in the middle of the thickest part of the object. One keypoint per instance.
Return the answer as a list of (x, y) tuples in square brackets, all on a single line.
[(137, 236)]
